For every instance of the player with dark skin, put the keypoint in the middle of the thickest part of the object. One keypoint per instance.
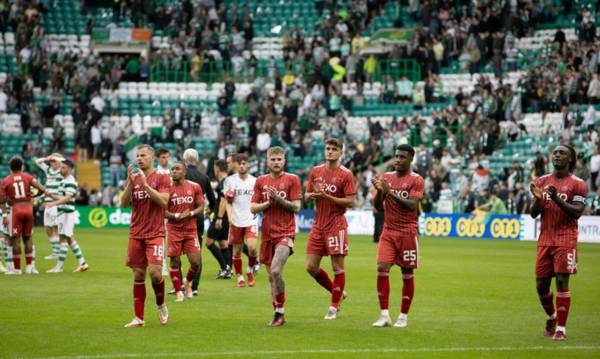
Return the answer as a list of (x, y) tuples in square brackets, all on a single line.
[(178, 172), (402, 165), (562, 159), (16, 166)]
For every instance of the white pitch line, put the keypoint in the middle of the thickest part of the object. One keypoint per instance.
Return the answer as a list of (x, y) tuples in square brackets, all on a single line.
[(329, 351)]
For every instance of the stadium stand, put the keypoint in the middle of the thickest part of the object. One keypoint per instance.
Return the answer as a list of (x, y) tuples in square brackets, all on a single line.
[(471, 80)]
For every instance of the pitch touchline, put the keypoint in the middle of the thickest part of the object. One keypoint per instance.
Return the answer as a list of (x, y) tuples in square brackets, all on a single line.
[(326, 351)]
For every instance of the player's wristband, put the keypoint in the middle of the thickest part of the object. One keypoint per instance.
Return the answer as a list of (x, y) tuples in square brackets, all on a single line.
[(219, 218), (176, 215)]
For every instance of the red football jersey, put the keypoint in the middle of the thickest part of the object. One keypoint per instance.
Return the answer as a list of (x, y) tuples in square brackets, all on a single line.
[(396, 218), (277, 222), (185, 197), (147, 217), (337, 183), (17, 187), (558, 229)]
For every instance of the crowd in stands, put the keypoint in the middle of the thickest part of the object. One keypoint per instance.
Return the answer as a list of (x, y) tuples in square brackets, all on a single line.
[(307, 100)]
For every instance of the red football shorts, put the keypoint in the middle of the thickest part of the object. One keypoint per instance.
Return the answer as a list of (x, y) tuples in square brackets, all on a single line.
[(238, 234), (144, 251), (182, 243), (267, 248), (400, 248), (553, 260), (327, 243), (20, 221)]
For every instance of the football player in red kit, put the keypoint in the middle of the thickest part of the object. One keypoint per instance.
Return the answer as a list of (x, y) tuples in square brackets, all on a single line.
[(277, 195), (398, 195), (147, 191), (185, 203), (559, 197), (331, 185), (15, 190)]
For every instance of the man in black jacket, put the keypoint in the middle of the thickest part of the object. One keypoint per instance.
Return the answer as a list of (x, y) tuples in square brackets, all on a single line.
[(191, 160)]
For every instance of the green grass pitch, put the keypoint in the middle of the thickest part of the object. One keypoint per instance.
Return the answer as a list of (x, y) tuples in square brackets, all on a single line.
[(474, 298)]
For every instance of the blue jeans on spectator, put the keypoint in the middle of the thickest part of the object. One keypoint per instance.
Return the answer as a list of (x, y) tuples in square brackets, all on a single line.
[(115, 175)]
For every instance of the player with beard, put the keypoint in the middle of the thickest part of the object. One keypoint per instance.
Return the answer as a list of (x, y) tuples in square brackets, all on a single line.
[(277, 195)]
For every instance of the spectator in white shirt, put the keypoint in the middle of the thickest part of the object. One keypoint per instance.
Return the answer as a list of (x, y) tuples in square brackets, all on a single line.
[(96, 137), (593, 91), (263, 140), (97, 102), (3, 99), (590, 117), (595, 167), (318, 91)]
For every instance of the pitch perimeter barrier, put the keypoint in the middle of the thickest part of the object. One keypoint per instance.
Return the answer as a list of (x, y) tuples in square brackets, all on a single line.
[(479, 226), (484, 226)]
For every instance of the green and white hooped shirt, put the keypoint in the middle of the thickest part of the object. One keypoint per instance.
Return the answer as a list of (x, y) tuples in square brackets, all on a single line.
[(68, 186)]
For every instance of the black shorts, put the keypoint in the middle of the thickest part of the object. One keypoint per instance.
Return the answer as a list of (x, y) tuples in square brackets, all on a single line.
[(218, 234)]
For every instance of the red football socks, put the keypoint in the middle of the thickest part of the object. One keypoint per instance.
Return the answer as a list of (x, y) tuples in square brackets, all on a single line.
[(28, 258), (237, 265), (279, 300), (139, 297), (547, 301), (383, 288), (339, 282), (17, 257), (563, 302), (176, 279), (408, 291), (190, 275), (159, 292), (323, 279), (251, 261)]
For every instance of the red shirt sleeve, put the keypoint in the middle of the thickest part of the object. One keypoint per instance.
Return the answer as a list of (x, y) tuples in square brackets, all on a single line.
[(580, 192), (199, 198), (295, 189), (164, 184), (257, 195), (417, 189), (3, 188), (309, 186), (349, 188), (28, 180), (538, 182)]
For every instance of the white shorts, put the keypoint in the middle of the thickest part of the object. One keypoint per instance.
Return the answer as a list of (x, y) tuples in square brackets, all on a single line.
[(50, 217), (3, 229), (66, 224), (6, 229)]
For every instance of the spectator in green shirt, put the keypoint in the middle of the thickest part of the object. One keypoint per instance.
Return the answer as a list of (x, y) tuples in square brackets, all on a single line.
[(494, 205), (133, 69)]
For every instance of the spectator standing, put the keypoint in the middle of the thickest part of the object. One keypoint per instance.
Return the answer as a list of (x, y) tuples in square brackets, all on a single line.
[(116, 165)]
